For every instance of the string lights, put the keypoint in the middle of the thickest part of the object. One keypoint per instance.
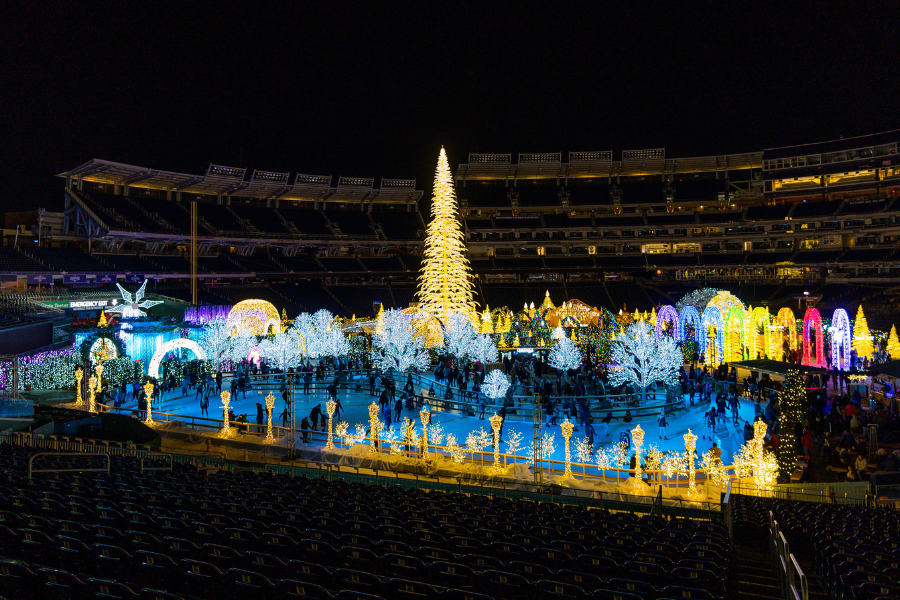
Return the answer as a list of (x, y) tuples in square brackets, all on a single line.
[(637, 436), (566, 427), (445, 282), (148, 395), (330, 407), (496, 420), (270, 405)]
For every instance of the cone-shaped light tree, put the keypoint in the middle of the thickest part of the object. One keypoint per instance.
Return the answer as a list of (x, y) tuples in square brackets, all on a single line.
[(893, 345), (445, 281), (793, 398), (862, 337)]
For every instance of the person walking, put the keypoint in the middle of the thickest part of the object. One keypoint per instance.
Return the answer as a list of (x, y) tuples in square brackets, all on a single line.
[(606, 421), (387, 416), (661, 421), (398, 408), (314, 415), (589, 433), (483, 405), (709, 423)]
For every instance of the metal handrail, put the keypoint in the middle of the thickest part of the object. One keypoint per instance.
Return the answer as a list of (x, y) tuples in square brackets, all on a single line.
[(790, 574), (803, 592), (31, 468), (156, 454)]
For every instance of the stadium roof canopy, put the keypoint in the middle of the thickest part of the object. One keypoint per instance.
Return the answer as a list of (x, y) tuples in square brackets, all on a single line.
[(264, 185), (634, 163)]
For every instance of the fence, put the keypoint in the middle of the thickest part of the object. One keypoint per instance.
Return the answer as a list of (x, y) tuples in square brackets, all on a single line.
[(790, 576), (850, 493)]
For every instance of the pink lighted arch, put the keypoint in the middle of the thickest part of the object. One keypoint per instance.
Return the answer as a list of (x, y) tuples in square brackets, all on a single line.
[(812, 319)]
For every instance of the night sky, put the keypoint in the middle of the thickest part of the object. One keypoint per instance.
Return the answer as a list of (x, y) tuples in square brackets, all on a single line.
[(375, 92)]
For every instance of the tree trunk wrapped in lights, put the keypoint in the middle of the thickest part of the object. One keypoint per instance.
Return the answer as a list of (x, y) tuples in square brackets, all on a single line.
[(567, 428), (148, 395), (445, 281), (793, 398), (270, 405), (330, 407), (496, 420), (79, 375), (226, 426)]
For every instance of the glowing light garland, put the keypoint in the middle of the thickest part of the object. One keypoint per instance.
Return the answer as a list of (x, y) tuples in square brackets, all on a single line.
[(841, 340), (148, 396), (813, 320), (270, 405), (566, 427), (668, 315), (445, 281), (226, 426), (496, 420), (690, 445), (330, 407), (637, 436), (79, 375)]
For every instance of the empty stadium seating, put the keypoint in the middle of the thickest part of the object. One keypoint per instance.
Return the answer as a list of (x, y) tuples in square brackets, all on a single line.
[(13, 260), (180, 532), (399, 225)]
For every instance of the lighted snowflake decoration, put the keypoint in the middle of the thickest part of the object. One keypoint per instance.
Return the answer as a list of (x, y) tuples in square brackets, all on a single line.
[(131, 305)]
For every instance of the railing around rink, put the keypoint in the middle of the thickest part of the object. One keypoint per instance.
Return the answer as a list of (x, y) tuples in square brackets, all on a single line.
[(791, 577), (211, 461)]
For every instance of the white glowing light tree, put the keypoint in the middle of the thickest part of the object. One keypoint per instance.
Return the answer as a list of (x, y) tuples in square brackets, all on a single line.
[(397, 347), (459, 336), (484, 350), (216, 341), (641, 360), (495, 385), (565, 355), (282, 350), (445, 281), (240, 345), (320, 334)]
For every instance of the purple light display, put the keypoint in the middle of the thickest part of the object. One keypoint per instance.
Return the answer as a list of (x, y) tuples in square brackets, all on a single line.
[(668, 314)]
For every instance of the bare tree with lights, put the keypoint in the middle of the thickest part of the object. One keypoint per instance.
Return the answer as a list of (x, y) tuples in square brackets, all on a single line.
[(445, 281), (459, 336), (641, 360), (216, 341), (397, 347), (484, 350), (565, 355)]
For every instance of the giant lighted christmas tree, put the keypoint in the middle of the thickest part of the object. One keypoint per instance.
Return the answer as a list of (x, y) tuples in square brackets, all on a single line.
[(793, 398), (862, 338), (893, 345), (445, 282)]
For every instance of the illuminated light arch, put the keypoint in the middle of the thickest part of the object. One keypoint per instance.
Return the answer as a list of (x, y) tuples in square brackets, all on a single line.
[(785, 320), (258, 317), (175, 344), (812, 319), (734, 334), (689, 316), (667, 314), (103, 348), (724, 301), (712, 317), (841, 339), (759, 317)]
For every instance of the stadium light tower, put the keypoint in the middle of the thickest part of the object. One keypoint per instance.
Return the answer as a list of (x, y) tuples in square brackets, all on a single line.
[(445, 281)]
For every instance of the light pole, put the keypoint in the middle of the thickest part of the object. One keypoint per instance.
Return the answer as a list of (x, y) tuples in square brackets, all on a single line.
[(496, 420), (148, 394), (567, 427)]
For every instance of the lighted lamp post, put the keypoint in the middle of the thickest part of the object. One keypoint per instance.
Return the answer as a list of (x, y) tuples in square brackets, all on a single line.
[(270, 406), (496, 421), (425, 417), (567, 427), (148, 394), (373, 426), (79, 375), (226, 426), (92, 389), (690, 444), (637, 436), (330, 406), (98, 385)]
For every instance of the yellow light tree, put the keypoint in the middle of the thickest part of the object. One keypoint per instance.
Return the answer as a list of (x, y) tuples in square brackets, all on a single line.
[(893, 345), (445, 281), (862, 338)]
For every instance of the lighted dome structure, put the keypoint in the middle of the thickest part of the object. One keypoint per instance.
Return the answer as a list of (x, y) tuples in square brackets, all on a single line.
[(258, 317)]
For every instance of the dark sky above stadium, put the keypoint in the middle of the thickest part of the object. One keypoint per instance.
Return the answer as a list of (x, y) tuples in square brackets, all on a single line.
[(375, 90)]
